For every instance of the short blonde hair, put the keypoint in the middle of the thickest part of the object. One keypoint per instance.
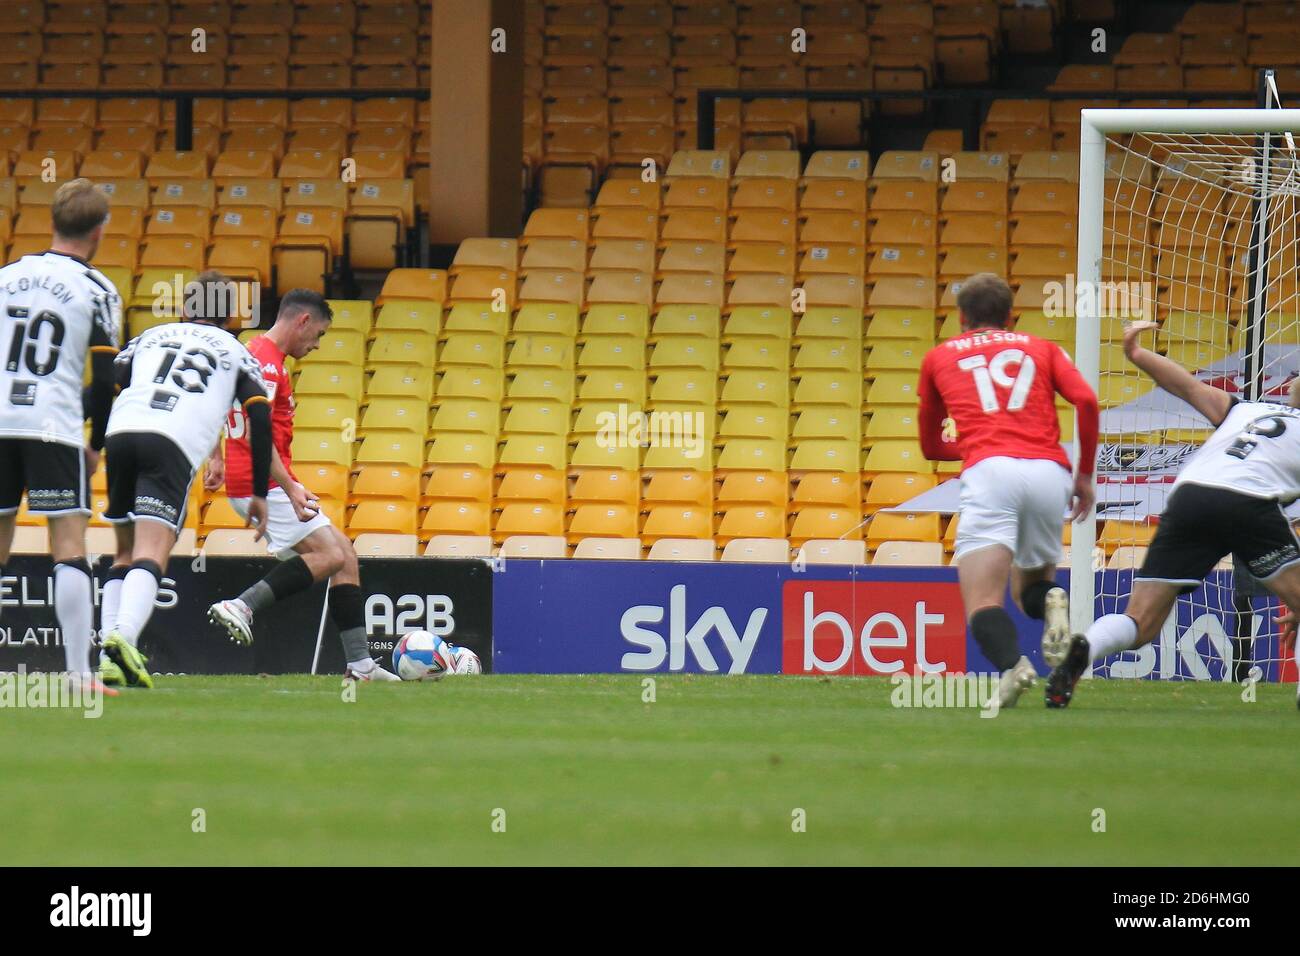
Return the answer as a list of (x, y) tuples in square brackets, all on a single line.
[(78, 208)]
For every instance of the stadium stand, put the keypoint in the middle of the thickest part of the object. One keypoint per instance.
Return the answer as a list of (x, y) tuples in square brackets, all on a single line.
[(682, 366)]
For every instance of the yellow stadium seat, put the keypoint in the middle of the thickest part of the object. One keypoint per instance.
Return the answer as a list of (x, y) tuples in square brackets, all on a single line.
[(826, 388), (459, 546), (676, 486), (393, 414), (769, 353), (899, 455), (1117, 533), (403, 382), (172, 252), (757, 550), (893, 388), (614, 385), (622, 549), (463, 448), (529, 519), (683, 353), (890, 489), (541, 485), (325, 480), (457, 518), (601, 487), (827, 488), (816, 521), (454, 383), (325, 412), (891, 422), (457, 483), (537, 417), (909, 553), (323, 446), (751, 521), (533, 451), (902, 526), (538, 350), (825, 454), (479, 415), (676, 521), (588, 453), (381, 516), (421, 284), (244, 191), (402, 348), (392, 448)]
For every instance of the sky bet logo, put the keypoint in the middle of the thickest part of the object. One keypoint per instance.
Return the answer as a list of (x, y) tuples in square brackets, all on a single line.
[(872, 627), (687, 637)]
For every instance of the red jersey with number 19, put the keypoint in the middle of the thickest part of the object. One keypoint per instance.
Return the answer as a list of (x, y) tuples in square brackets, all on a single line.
[(999, 387), (279, 388)]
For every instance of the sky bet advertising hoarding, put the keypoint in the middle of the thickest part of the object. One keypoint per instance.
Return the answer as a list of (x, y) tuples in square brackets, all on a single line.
[(645, 617)]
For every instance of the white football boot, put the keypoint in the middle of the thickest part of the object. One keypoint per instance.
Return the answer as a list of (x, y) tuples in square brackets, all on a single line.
[(373, 672), (1015, 682), (1056, 626), (234, 618)]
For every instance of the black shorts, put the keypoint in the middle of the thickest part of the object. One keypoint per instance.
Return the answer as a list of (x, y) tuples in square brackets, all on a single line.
[(53, 475), (149, 478), (1202, 524)]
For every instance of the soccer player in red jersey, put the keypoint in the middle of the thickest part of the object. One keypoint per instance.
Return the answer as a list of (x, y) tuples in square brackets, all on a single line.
[(999, 388), (297, 531)]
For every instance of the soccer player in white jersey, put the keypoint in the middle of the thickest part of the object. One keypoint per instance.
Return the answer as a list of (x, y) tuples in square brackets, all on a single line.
[(1229, 497), (178, 384), (56, 311)]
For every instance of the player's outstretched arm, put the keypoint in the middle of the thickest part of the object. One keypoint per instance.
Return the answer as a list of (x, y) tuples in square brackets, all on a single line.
[(1211, 402)]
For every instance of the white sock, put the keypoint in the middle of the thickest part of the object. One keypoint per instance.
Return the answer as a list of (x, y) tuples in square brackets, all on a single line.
[(139, 589), (74, 606), (1111, 634), (110, 600)]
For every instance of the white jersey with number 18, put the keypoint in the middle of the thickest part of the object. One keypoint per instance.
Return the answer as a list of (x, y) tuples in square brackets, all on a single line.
[(54, 309), (184, 378), (1256, 451)]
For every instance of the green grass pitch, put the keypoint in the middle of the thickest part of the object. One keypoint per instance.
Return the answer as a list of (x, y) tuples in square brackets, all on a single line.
[(712, 772)]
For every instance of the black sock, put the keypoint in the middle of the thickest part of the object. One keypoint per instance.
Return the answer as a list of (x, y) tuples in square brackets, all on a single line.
[(1034, 596), (284, 580), (996, 635), (347, 610)]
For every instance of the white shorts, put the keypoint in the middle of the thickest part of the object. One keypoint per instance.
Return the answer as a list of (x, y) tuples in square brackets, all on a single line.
[(1019, 503), (283, 529)]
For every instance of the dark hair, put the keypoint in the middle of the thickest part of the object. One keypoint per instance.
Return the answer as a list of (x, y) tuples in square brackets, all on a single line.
[(295, 300), (985, 300), (210, 297)]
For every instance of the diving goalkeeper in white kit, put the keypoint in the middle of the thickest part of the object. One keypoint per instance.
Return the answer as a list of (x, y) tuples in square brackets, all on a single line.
[(1229, 497)]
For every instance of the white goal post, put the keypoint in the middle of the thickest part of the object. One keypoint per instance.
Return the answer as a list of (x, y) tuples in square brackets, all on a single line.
[(1192, 214)]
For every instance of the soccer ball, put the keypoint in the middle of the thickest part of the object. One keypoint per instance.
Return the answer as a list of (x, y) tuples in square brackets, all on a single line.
[(467, 661), (420, 655)]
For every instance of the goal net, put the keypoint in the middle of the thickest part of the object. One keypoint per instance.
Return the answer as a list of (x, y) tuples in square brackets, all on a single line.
[(1186, 218)]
